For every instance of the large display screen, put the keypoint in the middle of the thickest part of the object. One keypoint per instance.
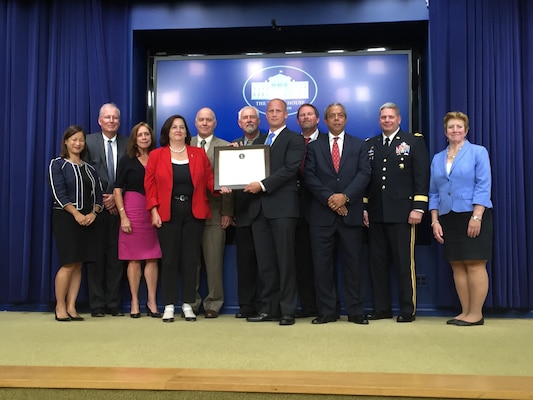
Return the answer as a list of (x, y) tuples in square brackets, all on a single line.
[(361, 81)]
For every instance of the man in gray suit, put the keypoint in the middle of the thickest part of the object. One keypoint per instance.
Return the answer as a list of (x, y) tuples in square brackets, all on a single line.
[(104, 150), (214, 236)]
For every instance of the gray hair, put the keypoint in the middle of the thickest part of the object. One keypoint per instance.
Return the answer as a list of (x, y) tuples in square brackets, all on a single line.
[(108, 105), (390, 104), (326, 110), (244, 108)]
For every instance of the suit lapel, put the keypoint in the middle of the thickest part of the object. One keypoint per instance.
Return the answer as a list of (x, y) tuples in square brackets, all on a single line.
[(458, 158), (279, 138), (211, 150), (326, 152), (346, 147)]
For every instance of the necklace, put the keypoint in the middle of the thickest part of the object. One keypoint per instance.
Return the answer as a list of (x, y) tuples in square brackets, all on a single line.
[(177, 151), (452, 156)]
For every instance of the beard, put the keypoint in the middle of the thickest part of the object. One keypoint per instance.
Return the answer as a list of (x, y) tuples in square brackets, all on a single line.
[(249, 129)]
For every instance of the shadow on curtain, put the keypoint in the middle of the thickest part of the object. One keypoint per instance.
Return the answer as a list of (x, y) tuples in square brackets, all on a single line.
[(60, 61), (481, 58)]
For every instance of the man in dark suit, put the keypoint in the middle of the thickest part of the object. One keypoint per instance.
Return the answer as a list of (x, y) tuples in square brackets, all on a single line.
[(104, 277), (274, 213), (397, 200), (337, 172), (308, 118), (248, 121), (214, 235)]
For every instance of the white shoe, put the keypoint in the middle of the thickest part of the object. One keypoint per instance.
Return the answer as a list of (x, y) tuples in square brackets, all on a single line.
[(188, 312), (168, 315)]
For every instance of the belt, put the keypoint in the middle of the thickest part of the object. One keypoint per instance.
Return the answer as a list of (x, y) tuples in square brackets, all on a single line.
[(182, 197)]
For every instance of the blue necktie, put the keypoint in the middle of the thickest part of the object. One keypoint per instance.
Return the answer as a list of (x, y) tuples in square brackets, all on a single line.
[(269, 138), (110, 164)]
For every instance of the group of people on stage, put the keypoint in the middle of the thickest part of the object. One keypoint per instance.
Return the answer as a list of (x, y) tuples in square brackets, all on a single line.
[(118, 199)]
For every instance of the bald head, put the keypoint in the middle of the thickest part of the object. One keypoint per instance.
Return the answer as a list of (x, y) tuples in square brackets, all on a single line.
[(205, 122)]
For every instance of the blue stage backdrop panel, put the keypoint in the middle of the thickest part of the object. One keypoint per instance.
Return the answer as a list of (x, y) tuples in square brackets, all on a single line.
[(362, 81)]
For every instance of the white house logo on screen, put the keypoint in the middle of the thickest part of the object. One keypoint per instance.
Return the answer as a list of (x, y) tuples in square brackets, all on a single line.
[(291, 84)]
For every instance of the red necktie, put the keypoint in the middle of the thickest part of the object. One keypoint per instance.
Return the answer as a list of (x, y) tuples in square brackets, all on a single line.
[(307, 139), (335, 154)]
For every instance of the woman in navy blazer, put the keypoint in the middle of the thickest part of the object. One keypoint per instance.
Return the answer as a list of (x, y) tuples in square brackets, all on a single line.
[(77, 196), (177, 179), (461, 215)]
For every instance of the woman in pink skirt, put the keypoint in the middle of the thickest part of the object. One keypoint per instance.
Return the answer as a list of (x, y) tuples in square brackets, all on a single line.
[(137, 239)]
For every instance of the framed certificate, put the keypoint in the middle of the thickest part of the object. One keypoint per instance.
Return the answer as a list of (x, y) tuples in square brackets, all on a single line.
[(236, 167)]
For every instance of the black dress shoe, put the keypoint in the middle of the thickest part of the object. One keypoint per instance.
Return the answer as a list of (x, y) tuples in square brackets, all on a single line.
[(287, 319), (379, 315), (135, 315), (262, 317), (358, 319), (75, 317), (324, 319), (405, 318), (460, 322), (117, 313), (452, 321), (245, 314), (97, 312)]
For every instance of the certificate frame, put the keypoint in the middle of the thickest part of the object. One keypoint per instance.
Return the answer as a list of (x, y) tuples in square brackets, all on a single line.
[(236, 167)]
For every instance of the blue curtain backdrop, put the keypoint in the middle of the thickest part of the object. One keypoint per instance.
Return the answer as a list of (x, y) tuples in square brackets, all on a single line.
[(59, 62), (481, 60)]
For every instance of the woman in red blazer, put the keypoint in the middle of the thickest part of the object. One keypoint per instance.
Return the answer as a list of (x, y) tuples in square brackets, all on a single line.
[(176, 182)]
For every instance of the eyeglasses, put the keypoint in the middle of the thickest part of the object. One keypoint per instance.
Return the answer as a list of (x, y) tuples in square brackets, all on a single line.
[(110, 118)]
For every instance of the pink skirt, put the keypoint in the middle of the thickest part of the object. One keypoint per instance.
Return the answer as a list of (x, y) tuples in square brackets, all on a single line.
[(142, 243)]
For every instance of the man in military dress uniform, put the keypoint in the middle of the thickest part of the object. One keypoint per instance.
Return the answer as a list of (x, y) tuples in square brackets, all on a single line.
[(397, 199)]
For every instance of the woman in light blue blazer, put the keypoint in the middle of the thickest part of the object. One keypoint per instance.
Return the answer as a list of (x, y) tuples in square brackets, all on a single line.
[(461, 215)]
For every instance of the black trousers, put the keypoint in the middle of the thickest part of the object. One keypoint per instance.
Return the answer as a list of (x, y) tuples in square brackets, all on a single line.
[(104, 276), (274, 245), (304, 267), (393, 244), (326, 240), (180, 240), (246, 269)]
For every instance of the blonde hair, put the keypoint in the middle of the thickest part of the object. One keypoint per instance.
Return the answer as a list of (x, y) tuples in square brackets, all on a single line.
[(456, 115)]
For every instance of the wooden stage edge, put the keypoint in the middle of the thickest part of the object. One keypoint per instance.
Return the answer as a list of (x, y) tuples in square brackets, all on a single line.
[(296, 382)]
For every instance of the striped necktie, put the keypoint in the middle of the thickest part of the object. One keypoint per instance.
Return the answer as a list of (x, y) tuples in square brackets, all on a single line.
[(110, 164), (335, 154)]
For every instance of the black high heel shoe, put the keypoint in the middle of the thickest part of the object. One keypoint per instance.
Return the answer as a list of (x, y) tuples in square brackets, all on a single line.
[(152, 314), (75, 318), (67, 319)]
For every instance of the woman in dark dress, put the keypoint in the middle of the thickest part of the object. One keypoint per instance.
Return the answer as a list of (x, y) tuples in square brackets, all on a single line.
[(137, 238), (77, 200)]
